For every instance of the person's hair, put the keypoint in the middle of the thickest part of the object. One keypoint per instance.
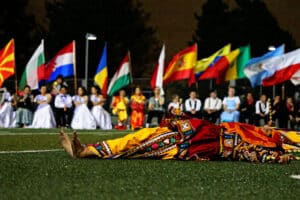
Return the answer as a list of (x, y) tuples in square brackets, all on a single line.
[(174, 96), (97, 88), (60, 77), (212, 91), (63, 87), (83, 89), (26, 86)]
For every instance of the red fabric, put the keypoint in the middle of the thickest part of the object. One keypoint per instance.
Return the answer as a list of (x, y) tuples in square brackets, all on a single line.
[(217, 71), (154, 76), (205, 142), (252, 134), (281, 75)]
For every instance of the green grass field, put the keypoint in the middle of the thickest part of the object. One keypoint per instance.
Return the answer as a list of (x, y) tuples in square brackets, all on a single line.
[(53, 175)]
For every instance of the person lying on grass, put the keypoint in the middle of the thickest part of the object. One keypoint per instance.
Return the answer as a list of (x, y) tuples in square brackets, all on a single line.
[(182, 138)]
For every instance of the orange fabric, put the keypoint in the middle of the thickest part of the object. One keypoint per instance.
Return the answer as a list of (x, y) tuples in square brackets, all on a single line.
[(137, 117), (252, 134), (7, 61)]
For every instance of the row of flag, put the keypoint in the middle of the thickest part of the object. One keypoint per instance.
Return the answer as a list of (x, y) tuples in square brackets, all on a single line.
[(272, 68)]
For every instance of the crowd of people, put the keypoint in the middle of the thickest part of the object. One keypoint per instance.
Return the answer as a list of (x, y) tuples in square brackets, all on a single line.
[(58, 108)]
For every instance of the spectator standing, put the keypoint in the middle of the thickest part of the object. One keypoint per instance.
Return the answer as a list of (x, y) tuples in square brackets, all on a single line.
[(102, 117), (63, 108), (137, 104), (119, 107), (43, 115)]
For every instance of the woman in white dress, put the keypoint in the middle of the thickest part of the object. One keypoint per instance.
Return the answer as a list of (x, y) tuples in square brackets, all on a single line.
[(43, 116), (102, 117), (7, 115), (82, 118)]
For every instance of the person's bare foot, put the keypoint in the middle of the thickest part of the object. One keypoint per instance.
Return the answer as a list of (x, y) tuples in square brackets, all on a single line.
[(66, 143), (77, 147)]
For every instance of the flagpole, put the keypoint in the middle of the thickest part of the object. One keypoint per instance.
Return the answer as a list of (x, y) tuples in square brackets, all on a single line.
[(74, 61), (16, 77)]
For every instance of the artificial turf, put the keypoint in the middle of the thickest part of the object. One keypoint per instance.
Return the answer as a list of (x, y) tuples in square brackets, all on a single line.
[(53, 175)]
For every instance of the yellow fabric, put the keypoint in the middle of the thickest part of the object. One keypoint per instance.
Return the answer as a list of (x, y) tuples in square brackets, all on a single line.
[(120, 109), (231, 73), (131, 140), (184, 60), (203, 64), (293, 136)]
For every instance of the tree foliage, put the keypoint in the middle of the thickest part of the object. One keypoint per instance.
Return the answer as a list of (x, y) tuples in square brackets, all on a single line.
[(120, 23), (250, 23)]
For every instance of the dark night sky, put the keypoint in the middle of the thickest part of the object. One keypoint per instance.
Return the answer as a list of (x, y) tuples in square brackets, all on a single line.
[(175, 22)]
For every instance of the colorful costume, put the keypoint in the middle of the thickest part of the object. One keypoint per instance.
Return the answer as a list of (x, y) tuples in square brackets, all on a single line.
[(193, 139), (119, 107), (137, 116)]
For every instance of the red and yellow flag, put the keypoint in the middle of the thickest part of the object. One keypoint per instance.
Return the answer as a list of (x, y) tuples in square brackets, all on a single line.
[(7, 61), (182, 66)]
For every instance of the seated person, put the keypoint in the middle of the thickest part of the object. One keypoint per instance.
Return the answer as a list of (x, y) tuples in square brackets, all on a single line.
[(24, 108), (248, 109), (119, 107), (155, 107), (212, 107), (262, 110), (231, 106), (63, 108), (193, 106), (175, 104)]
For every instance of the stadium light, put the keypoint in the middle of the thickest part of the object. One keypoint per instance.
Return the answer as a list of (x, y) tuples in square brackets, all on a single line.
[(271, 48), (88, 36)]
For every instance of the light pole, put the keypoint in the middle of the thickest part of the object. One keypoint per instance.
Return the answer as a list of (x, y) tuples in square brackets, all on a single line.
[(88, 36), (273, 48)]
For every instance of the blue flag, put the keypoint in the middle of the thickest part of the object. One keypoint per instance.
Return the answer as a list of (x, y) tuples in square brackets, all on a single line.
[(254, 71)]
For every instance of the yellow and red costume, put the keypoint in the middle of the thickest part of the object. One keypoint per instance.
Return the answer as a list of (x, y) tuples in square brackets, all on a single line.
[(137, 106), (195, 139), (119, 108)]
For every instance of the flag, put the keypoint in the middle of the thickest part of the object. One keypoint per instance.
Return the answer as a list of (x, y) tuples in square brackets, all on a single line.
[(101, 73), (236, 70), (253, 69), (31, 74), (295, 79), (122, 77), (7, 61), (62, 64), (285, 67), (157, 77), (204, 63), (182, 66), (218, 70)]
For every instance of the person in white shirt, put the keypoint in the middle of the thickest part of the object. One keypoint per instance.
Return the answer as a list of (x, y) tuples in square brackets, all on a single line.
[(63, 108), (212, 107), (262, 110), (193, 106), (175, 104), (231, 106)]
